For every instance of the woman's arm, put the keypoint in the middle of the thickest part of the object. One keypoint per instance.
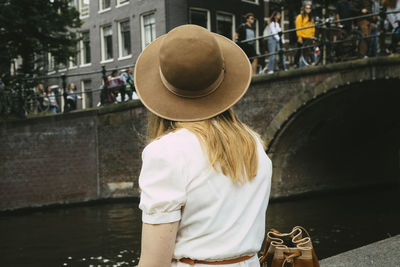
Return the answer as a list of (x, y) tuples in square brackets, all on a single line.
[(158, 244)]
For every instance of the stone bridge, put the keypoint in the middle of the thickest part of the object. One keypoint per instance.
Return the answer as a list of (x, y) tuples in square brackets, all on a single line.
[(326, 128), (329, 127)]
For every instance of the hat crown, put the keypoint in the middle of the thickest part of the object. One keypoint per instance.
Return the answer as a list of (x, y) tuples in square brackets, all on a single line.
[(191, 59)]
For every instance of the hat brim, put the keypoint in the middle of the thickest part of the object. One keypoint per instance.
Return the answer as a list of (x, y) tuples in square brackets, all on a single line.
[(160, 101)]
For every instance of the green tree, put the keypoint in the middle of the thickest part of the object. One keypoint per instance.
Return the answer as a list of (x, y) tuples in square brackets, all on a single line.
[(30, 29)]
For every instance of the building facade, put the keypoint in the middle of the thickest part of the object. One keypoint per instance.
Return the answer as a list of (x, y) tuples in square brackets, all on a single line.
[(114, 32)]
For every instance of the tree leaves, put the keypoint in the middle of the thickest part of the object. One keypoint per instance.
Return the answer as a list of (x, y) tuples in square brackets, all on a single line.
[(29, 28)]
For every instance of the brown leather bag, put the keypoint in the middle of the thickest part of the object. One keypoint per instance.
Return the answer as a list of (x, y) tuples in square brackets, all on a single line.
[(289, 249)]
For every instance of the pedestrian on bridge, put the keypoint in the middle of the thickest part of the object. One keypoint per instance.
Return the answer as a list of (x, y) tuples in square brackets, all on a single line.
[(363, 7), (205, 177), (304, 20), (246, 32), (273, 30)]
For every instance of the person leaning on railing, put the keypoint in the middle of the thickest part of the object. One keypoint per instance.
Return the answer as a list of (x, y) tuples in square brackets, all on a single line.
[(117, 83), (373, 43), (304, 19)]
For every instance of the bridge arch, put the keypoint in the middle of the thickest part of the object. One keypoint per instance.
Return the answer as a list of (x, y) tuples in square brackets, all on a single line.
[(316, 146), (362, 73)]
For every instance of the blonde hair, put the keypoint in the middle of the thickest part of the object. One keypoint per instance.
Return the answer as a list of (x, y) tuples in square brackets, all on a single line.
[(230, 144), (39, 88)]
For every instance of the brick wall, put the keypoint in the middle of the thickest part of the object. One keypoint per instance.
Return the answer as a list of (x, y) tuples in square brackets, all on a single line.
[(69, 158)]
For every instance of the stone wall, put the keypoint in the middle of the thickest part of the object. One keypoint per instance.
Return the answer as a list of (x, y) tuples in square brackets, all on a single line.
[(76, 157)]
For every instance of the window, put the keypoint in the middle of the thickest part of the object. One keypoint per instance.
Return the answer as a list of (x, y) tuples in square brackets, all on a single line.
[(122, 2), (50, 62), (104, 5), (124, 39), (106, 43), (87, 99), (251, 1), (72, 3), (200, 17), (15, 64), (38, 62), (225, 24), (148, 29), (84, 8), (73, 61), (85, 49)]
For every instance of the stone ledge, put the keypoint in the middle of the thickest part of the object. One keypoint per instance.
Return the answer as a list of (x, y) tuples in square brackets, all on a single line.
[(90, 112), (382, 253), (347, 65)]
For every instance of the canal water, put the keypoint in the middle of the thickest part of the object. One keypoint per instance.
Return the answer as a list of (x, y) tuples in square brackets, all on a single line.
[(109, 234)]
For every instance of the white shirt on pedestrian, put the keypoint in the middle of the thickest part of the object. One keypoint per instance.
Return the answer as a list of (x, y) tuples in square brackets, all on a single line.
[(394, 17), (274, 29), (219, 220)]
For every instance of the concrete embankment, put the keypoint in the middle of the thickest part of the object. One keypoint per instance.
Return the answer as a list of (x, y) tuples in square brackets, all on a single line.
[(382, 253)]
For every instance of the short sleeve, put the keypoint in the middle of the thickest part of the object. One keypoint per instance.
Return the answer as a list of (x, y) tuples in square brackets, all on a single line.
[(163, 185)]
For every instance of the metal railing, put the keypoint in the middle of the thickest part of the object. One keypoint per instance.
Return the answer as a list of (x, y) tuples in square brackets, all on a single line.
[(25, 101), (325, 29), (19, 101)]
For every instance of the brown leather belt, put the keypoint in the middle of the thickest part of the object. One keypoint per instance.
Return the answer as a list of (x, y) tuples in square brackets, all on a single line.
[(192, 262)]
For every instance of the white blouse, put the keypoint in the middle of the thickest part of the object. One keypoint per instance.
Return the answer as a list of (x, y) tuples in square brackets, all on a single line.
[(273, 29), (219, 220)]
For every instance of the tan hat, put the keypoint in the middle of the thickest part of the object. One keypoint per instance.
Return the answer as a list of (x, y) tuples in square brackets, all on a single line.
[(191, 74)]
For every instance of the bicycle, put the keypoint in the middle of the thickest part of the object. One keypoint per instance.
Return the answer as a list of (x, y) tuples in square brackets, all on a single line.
[(338, 43), (310, 53)]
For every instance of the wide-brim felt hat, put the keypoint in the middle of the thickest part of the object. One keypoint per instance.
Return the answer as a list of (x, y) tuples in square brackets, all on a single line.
[(191, 74)]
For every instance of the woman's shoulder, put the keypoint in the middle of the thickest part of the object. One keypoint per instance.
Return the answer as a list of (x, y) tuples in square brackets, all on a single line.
[(172, 143)]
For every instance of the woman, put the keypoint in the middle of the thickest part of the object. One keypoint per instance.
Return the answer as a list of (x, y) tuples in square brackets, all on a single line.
[(205, 178), (50, 101), (39, 90), (273, 29), (304, 20), (71, 98)]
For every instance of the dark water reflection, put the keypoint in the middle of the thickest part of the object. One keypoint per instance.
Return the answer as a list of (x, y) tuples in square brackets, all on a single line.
[(109, 234)]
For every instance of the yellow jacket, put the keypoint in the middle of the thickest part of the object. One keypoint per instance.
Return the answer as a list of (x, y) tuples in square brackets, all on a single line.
[(300, 23)]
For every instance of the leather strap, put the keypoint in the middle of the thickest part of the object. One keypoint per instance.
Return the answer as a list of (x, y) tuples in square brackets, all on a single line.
[(195, 93), (290, 258), (192, 262)]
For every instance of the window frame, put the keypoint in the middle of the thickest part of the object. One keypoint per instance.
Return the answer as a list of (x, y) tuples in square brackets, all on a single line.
[(71, 63), (81, 4), (142, 29), (83, 55), (102, 9), (51, 63), (73, 3), (83, 92), (123, 4), (233, 21), (208, 16), (120, 41), (102, 44), (255, 2)]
